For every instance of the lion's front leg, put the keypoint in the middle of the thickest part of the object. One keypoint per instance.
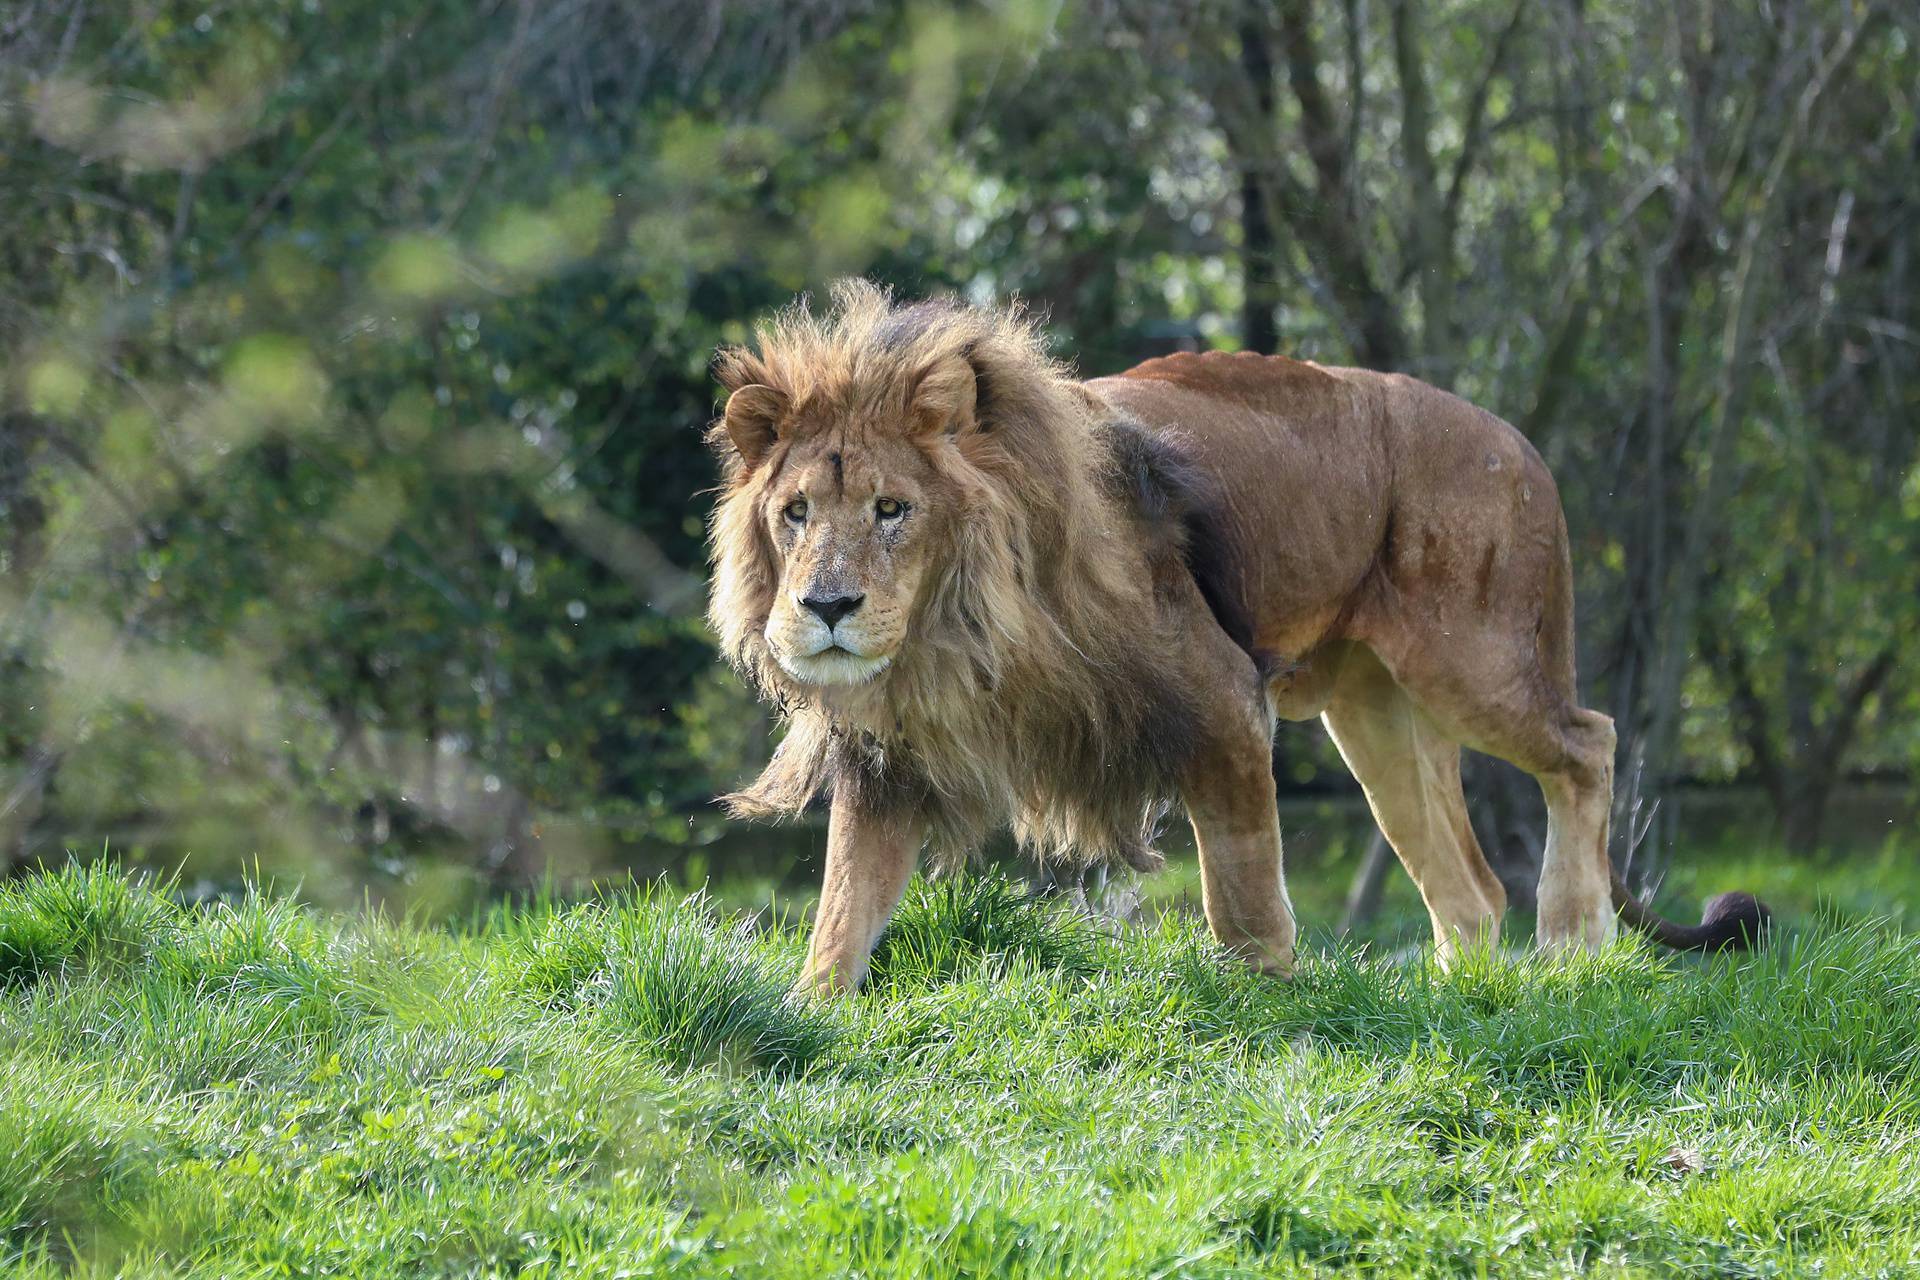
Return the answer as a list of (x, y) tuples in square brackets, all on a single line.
[(870, 858), (1230, 799)]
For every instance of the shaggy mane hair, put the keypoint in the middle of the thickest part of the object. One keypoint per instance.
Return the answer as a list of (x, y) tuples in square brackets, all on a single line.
[(1031, 691)]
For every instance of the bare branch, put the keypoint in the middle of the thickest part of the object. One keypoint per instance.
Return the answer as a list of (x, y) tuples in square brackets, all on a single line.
[(1474, 129), (1429, 255), (1731, 388)]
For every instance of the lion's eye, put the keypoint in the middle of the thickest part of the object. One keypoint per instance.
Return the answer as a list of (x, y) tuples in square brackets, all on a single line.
[(889, 508), (796, 510)]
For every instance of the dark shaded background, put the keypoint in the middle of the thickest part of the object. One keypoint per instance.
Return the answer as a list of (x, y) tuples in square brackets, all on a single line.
[(353, 361)]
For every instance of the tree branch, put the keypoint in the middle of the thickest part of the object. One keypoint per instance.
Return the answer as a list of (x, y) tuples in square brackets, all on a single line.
[(1474, 130), (1749, 711), (1730, 391), (1259, 252), (1319, 218), (1839, 735), (1319, 128), (1429, 257), (1356, 13)]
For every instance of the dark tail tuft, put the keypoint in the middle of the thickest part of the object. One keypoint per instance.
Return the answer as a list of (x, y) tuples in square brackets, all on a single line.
[(1734, 921), (1731, 922)]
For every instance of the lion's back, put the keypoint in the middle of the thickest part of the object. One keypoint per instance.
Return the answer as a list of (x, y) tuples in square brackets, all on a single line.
[(1322, 469)]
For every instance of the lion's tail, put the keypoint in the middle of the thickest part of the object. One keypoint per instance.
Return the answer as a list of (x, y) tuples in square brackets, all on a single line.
[(1731, 921)]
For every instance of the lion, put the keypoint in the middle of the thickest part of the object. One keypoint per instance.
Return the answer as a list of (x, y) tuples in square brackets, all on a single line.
[(984, 594)]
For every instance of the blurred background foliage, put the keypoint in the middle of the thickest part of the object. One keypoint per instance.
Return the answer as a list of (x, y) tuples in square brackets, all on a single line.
[(353, 360)]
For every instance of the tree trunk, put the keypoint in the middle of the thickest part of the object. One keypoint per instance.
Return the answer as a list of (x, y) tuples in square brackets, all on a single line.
[(1259, 245), (24, 785), (1369, 885), (1803, 814)]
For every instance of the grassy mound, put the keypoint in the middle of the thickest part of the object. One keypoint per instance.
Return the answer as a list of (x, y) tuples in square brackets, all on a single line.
[(249, 1088)]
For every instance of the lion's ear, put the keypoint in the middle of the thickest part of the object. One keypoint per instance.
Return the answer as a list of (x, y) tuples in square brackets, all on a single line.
[(753, 417), (944, 396)]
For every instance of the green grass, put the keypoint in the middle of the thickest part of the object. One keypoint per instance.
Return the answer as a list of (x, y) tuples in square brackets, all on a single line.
[(624, 1088)]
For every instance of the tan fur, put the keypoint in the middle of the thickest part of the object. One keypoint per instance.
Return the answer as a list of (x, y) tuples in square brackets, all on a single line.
[(1101, 595), (1022, 696)]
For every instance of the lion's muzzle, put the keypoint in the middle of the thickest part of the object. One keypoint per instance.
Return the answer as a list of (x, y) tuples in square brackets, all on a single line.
[(823, 641)]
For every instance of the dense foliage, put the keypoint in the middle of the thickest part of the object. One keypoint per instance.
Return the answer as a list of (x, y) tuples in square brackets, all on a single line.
[(353, 358)]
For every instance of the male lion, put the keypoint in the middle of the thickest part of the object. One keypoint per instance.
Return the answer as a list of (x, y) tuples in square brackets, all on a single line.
[(983, 594)]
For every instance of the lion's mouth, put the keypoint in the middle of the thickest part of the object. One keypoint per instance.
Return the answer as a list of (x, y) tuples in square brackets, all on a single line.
[(835, 664)]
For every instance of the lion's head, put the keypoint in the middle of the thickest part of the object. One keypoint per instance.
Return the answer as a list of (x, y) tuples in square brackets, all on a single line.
[(922, 557), (893, 477), (853, 508)]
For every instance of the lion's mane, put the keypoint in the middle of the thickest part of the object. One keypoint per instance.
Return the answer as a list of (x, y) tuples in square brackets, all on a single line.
[(1032, 691)]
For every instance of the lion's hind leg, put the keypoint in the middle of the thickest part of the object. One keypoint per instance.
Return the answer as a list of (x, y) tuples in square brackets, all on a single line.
[(1477, 629), (1576, 904), (1524, 713), (1410, 772)]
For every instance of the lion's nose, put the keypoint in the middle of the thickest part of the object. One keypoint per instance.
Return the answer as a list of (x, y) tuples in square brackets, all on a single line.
[(830, 609)]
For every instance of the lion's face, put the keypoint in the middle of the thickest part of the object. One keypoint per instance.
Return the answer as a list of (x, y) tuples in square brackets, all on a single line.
[(853, 531), (839, 516)]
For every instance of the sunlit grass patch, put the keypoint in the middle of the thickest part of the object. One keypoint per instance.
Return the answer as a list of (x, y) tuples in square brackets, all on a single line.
[(665, 971), (73, 1142), (256, 1088), (81, 914), (948, 926), (552, 954), (246, 940), (699, 989)]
